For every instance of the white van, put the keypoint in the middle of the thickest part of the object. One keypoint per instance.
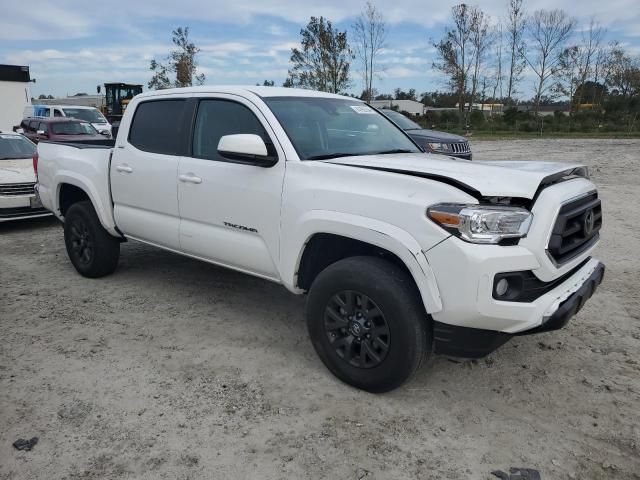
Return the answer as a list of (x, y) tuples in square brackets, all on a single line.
[(88, 114)]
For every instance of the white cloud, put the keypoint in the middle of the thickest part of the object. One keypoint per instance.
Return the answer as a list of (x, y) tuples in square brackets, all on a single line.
[(42, 19)]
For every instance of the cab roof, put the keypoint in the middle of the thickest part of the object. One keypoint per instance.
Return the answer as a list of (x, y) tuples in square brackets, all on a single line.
[(244, 90)]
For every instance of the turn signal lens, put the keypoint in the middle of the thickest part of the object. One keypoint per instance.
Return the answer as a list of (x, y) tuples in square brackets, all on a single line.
[(482, 223), (445, 219)]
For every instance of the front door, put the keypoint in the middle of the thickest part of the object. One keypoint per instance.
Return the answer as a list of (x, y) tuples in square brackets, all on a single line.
[(230, 209), (143, 173)]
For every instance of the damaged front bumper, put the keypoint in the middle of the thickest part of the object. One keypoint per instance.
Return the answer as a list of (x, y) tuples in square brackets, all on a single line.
[(476, 343)]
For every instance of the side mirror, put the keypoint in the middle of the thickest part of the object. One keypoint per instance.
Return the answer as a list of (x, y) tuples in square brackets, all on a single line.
[(19, 130), (246, 147)]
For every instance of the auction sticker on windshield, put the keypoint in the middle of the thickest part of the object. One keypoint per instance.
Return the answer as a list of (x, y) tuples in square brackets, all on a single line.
[(363, 109)]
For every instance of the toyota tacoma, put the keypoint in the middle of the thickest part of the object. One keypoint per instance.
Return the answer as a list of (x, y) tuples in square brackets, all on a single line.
[(401, 253)]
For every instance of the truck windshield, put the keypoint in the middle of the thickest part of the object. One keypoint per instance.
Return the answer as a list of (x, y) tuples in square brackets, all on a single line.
[(402, 121), (15, 146), (323, 128), (73, 128), (87, 114)]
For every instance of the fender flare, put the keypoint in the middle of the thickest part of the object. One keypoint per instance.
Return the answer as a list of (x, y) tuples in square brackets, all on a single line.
[(102, 208), (364, 229)]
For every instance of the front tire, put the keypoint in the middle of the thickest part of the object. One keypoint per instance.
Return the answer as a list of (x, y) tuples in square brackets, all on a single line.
[(367, 323), (92, 250)]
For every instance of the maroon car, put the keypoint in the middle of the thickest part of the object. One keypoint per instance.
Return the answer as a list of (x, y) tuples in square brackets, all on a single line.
[(60, 129)]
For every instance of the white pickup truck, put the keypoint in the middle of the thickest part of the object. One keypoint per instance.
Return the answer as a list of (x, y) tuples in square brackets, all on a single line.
[(401, 253)]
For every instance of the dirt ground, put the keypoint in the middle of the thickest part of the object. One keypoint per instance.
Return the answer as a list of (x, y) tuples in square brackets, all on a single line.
[(175, 369)]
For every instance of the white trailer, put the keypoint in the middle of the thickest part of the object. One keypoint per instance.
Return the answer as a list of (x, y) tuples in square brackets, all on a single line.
[(15, 94)]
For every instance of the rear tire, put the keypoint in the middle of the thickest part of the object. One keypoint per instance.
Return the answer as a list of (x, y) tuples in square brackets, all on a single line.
[(367, 323), (92, 250)]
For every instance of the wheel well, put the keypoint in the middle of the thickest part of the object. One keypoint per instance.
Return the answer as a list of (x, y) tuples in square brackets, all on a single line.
[(323, 249), (70, 194)]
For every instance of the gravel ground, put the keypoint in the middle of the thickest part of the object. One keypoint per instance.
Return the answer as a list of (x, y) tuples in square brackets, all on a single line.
[(175, 369)]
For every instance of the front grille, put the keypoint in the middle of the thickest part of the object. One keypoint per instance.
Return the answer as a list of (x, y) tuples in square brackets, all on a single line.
[(15, 189), (460, 147), (577, 228)]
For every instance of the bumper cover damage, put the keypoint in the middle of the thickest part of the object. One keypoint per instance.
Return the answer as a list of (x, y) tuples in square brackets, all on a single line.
[(468, 342)]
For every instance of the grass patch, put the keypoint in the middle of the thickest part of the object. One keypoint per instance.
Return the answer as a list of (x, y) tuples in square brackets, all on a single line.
[(505, 135)]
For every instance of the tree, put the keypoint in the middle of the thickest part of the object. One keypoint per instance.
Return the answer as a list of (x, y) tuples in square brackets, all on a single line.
[(324, 59), (370, 33), (548, 31), (515, 27), (623, 73), (267, 83), (181, 61), (453, 52), (480, 42), (588, 53), (568, 73), (498, 76), (402, 95), (368, 95)]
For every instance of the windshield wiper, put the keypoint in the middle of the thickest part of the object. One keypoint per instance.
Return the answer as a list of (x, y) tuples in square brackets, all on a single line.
[(397, 150), (328, 156)]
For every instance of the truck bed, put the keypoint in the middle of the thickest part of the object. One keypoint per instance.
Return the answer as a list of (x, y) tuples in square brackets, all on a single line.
[(80, 164)]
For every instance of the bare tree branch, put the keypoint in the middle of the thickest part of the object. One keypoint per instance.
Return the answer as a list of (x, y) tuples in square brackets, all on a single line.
[(370, 33), (548, 31)]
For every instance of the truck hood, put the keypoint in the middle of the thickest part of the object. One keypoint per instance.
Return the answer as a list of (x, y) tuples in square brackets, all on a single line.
[(489, 179), (436, 136), (17, 171)]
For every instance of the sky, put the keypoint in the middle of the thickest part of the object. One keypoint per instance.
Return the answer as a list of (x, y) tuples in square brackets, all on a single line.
[(72, 46)]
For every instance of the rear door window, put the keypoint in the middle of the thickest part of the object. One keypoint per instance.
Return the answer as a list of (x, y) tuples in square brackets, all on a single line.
[(157, 126)]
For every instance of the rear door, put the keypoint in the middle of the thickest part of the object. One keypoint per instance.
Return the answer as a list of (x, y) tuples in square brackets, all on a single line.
[(143, 172), (230, 209)]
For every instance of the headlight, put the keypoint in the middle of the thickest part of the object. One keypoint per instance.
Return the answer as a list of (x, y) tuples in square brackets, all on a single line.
[(443, 147), (481, 223)]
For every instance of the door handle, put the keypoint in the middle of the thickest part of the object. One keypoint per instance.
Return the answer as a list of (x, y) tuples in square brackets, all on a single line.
[(189, 178), (124, 168)]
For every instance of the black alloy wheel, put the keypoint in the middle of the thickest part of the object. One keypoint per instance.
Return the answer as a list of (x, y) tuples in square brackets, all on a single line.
[(357, 329), (81, 241)]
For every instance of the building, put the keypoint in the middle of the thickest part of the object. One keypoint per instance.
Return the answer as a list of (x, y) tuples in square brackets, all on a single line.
[(409, 106), (96, 101), (15, 94), (545, 110)]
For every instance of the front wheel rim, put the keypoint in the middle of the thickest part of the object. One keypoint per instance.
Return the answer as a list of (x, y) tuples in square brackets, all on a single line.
[(81, 242), (356, 329)]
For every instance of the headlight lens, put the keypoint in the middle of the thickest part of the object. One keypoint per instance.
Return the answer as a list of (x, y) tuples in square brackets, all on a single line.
[(482, 223), (444, 147)]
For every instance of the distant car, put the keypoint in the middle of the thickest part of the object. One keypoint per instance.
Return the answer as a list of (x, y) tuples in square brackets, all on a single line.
[(17, 179), (79, 112), (58, 129), (431, 140)]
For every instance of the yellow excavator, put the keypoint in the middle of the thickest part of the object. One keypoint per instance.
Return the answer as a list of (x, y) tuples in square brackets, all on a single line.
[(116, 98)]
